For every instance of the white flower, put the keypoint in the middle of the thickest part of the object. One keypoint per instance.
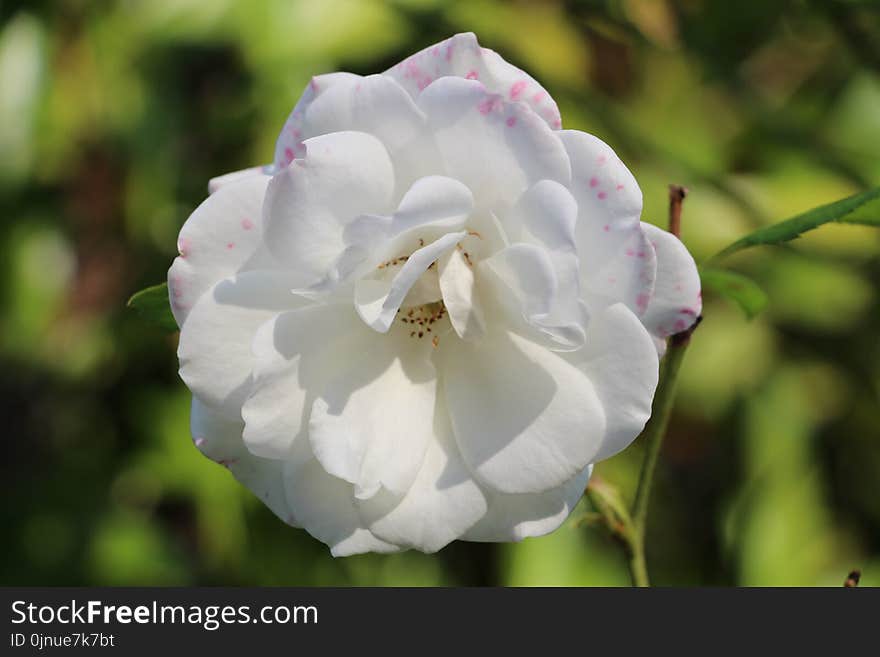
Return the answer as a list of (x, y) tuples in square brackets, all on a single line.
[(433, 312)]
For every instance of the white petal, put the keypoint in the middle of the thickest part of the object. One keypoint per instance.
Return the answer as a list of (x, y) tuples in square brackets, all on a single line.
[(215, 343), (443, 502), (290, 142), (620, 359), (546, 215), (375, 104), (220, 181), (220, 440), (324, 506), (372, 423), (496, 147), (525, 420), (522, 279), (308, 204), (378, 300), (460, 296), (528, 273), (515, 517), (432, 207), (677, 300), (220, 238), (617, 262), (461, 56), (296, 354)]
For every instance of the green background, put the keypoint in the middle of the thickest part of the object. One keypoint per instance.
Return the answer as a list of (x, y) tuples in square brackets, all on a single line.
[(113, 116)]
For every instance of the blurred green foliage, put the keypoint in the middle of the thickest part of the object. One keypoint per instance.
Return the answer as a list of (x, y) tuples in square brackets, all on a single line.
[(113, 116)]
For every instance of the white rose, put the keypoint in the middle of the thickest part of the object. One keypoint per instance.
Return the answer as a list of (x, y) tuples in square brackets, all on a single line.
[(433, 312)]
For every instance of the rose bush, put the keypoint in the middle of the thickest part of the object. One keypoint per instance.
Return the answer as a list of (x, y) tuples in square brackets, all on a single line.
[(431, 314)]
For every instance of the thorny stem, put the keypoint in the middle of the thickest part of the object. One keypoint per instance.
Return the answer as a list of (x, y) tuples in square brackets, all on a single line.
[(629, 527)]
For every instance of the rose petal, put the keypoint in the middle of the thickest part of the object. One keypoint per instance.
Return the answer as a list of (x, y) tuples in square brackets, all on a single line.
[(220, 440), (372, 423), (620, 359), (376, 105), (220, 238), (215, 342), (617, 262), (443, 502), (308, 204), (461, 56), (296, 354), (324, 506), (676, 302), (525, 420), (515, 517), (493, 146)]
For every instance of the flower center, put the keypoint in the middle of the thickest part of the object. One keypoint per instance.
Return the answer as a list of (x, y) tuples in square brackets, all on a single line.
[(421, 320)]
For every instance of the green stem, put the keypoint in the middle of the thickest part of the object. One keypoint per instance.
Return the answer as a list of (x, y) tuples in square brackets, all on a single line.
[(653, 438)]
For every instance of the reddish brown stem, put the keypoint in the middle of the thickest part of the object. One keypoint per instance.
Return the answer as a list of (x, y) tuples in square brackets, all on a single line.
[(676, 196)]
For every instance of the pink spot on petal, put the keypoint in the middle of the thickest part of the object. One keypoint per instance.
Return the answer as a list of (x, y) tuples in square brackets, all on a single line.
[(517, 88), (606, 228), (688, 311), (247, 224), (602, 196), (630, 253), (642, 302), (230, 245), (594, 182), (557, 123), (538, 97), (472, 75), (619, 188), (640, 254), (489, 105), (680, 325), (313, 85), (511, 121), (601, 160), (288, 155)]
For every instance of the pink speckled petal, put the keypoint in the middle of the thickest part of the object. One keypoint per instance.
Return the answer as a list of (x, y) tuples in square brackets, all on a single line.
[(462, 56), (232, 215), (219, 439), (617, 261), (525, 420), (677, 301), (298, 126), (478, 147), (216, 183), (376, 105)]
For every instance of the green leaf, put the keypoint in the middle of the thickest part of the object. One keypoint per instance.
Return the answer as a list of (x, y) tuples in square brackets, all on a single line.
[(152, 304), (740, 289), (861, 208)]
